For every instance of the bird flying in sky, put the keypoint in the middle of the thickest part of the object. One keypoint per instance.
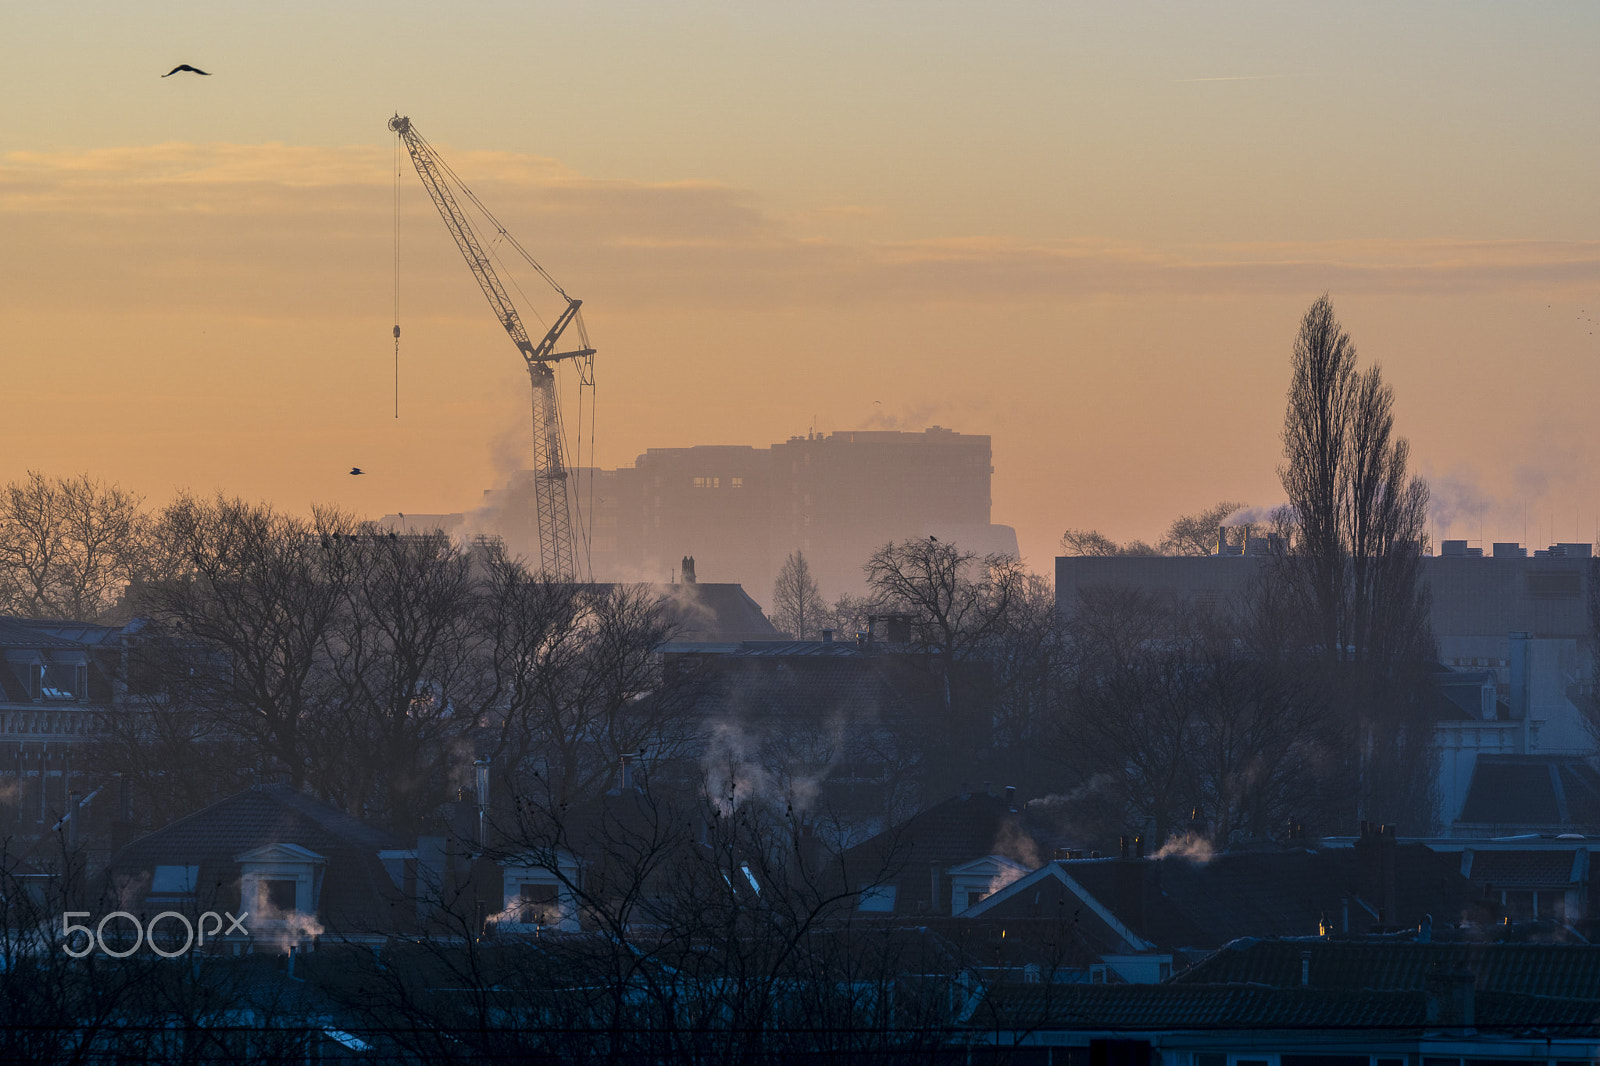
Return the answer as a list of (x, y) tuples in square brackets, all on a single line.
[(354, 470), (185, 66)]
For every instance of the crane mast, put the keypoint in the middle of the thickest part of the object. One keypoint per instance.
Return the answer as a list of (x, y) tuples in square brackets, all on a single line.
[(557, 550)]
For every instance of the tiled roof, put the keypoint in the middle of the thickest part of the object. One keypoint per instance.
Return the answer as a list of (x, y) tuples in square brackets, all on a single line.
[(1172, 1006), (715, 611), (1523, 869), (1559, 970), (955, 831), (26, 633), (1179, 904), (1548, 791), (357, 895)]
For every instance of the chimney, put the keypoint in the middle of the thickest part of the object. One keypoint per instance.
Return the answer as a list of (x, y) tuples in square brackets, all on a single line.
[(482, 768), (1222, 540), (1132, 888), (627, 770), (1375, 870), (827, 636), (688, 569), (1011, 798)]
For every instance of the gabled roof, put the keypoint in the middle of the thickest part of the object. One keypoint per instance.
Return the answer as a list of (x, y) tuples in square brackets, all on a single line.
[(358, 896), (716, 611), (958, 830), (1178, 904), (1052, 892)]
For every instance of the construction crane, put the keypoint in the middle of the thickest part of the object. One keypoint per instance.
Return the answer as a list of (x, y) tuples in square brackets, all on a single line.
[(557, 550)]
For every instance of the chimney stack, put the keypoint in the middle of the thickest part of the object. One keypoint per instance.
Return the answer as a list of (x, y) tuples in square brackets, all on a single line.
[(1375, 870), (688, 569)]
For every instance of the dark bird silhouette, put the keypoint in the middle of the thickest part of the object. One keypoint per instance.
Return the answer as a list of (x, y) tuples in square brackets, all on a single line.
[(933, 538), (356, 470), (185, 66)]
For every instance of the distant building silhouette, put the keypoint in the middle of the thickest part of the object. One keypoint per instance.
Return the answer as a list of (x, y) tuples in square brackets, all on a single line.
[(740, 510)]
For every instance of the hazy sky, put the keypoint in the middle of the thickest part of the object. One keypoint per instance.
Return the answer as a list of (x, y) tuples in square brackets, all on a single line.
[(1088, 231)]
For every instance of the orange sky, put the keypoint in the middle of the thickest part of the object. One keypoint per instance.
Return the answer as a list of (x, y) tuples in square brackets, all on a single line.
[(1090, 235)]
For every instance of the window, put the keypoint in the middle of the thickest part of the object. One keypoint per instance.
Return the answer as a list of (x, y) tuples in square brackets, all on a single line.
[(173, 882), (538, 903), (878, 899), (736, 482), (277, 895), (707, 482)]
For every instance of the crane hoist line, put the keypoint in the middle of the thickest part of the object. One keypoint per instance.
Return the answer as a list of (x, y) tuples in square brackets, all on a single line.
[(557, 549)]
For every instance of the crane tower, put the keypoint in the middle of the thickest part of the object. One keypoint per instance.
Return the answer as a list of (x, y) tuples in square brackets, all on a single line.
[(557, 550)]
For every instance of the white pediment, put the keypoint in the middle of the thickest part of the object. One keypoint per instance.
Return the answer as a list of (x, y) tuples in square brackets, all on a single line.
[(280, 853), (989, 866)]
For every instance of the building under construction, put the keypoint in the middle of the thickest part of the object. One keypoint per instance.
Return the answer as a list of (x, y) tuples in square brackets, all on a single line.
[(739, 510)]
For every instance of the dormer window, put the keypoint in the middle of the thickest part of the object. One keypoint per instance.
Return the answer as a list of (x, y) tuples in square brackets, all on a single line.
[(278, 881), (540, 897), (59, 682)]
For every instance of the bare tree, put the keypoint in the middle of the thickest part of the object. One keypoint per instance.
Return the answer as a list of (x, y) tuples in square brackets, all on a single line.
[(260, 591), (1177, 710), (576, 680), (1093, 542), (1356, 522), (797, 606), (1196, 534), (849, 615), (405, 677), (1192, 534), (68, 547), (956, 600)]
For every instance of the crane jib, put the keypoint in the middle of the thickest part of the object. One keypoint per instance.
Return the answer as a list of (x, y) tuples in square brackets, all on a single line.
[(556, 544)]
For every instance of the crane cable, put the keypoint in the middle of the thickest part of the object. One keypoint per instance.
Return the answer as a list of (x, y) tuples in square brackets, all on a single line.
[(397, 277)]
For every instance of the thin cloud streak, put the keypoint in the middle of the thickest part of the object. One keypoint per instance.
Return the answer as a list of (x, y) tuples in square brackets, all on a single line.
[(271, 228)]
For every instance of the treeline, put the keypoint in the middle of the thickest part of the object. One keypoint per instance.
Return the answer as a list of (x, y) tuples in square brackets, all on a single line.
[(367, 667), (370, 668)]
